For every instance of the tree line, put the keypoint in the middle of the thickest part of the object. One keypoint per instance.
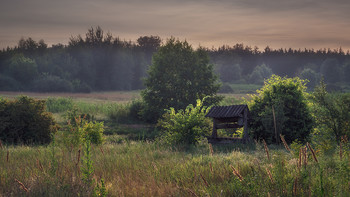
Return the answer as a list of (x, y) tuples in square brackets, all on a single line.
[(100, 62)]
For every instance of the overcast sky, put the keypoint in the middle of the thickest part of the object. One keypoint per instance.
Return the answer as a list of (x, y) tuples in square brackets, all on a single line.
[(277, 23)]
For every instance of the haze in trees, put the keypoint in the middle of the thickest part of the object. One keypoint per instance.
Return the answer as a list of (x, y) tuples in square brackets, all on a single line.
[(99, 61)]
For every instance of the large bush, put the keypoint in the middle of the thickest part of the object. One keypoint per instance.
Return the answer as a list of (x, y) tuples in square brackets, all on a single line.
[(25, 120), (185, 127), (284, 99)]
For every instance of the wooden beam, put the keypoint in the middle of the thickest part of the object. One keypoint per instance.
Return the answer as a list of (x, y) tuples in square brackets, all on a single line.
[(227, 126)]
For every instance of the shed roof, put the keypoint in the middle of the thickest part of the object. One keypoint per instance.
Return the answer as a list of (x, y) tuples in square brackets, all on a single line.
[(226, 111)]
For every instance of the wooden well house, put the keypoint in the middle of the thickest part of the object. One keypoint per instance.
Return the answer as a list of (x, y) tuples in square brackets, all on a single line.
[(228, 117)]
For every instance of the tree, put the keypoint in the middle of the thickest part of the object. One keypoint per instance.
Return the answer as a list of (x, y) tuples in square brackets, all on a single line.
[(346, 71), (178, 76), (311, 76), (259, 74), (332, 115), (330, 70), (284, 99), (23, 69)]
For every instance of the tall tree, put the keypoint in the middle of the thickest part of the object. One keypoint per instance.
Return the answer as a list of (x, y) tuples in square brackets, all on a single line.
[(178, 76)]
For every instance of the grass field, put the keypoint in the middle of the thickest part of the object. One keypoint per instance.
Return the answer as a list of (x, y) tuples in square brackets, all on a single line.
[(132, 163)]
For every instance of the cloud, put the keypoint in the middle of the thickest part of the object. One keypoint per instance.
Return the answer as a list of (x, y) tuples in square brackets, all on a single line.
[(277, 23)]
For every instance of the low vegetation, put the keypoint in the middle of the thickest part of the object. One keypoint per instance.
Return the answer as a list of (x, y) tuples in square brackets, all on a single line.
[(147, 169), (106, 149)]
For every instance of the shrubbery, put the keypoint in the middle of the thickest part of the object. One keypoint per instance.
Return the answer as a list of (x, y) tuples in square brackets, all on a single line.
[(285, 99), (332, 117), (187, 126), (25, 120)]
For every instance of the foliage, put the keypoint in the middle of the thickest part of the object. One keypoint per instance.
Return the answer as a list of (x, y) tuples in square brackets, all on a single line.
[(332, 116), (97, 61), (311, 76), (185, 127), (81, 128), (330, 70), (22, 69), (226, 88), (177, 77), (48, 83), (8, 83), (259, 74), (25, 120), (59, 104), (284, 98)]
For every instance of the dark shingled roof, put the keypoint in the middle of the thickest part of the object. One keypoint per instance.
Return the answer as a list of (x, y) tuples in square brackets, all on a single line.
[(226, 111)]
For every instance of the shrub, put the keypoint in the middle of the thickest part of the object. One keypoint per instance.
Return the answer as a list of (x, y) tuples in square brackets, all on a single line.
[(9, 84), (25, 120), (187, 126), (81, 128), (332, 116), (284, 98), (226, 88), (79, 86), (49, 83), (136, 108)]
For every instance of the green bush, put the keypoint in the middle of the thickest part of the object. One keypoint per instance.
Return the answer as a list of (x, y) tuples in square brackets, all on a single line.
[(81, 128), (284, 98), (25, 120), (332, 117), (49, 83), (187, 126)]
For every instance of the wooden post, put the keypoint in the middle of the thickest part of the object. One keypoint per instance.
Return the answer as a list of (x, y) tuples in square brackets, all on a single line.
[(245, 129), (215, 133)]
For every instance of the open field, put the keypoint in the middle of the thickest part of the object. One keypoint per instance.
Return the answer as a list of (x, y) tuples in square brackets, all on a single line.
[(117, 96), (133, 163)]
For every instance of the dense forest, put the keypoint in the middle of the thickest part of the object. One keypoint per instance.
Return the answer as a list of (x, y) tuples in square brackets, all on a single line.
[(101, 62)]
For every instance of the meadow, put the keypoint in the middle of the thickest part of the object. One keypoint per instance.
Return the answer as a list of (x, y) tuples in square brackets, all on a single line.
[(132, 163)]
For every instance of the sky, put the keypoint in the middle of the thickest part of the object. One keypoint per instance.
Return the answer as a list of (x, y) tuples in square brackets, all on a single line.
[(210, 23)]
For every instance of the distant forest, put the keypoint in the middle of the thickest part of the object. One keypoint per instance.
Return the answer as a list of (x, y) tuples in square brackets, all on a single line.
[(101, 62)]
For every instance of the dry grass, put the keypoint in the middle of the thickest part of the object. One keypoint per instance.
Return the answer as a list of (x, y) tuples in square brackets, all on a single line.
[(147, 169)]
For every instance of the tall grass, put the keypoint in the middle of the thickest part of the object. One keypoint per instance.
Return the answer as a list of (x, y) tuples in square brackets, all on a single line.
[(119, 112), (148, 169)]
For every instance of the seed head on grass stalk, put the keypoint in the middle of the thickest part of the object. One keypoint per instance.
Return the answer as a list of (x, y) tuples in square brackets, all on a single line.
[(312, 151), (295, 187), (205, 181), (266, 150), (300, 157), (305, 156), (285, 143), (235, 172), (211, 150), (22, 185), (340, 151), (270, 175)]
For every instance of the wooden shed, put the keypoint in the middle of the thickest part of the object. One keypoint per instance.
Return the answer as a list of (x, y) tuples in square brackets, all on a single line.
[(224, 117)]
